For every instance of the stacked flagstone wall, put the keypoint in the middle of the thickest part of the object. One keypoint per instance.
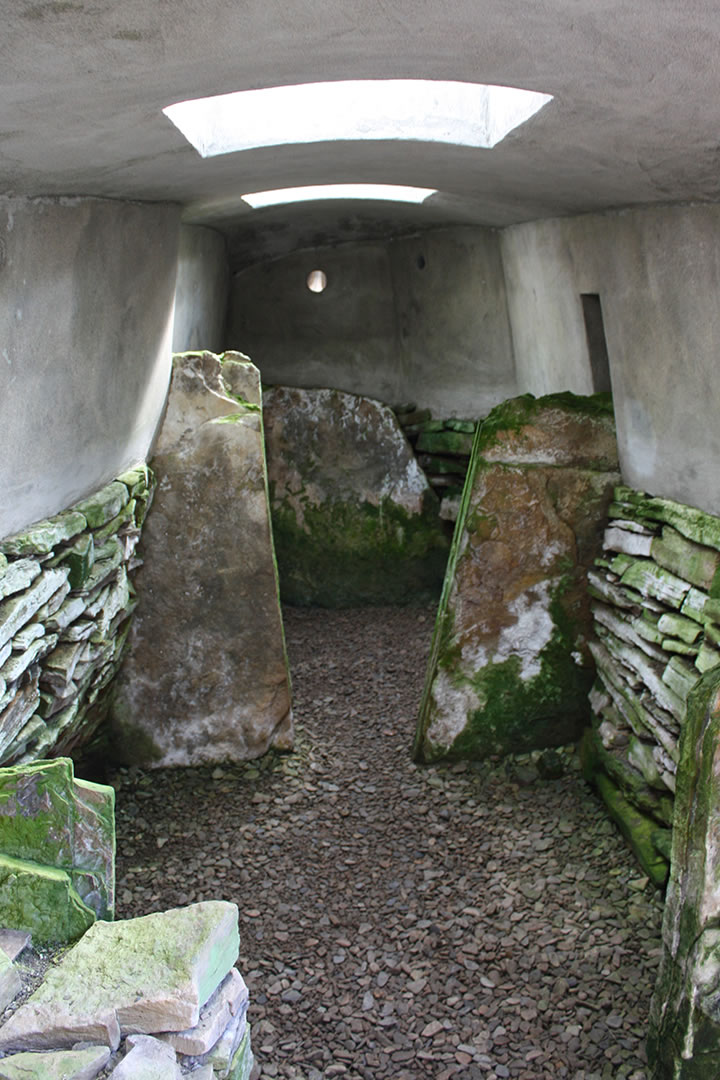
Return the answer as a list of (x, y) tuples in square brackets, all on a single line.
[(656, 608), (65, 604)]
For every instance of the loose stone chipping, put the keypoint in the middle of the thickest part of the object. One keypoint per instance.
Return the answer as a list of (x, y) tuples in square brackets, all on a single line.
[(206, 676), (510, 668), (65, 603), (354, 518), (657, 626)]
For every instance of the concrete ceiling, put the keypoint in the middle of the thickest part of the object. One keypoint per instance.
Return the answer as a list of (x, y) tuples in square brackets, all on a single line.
[(635, 120)]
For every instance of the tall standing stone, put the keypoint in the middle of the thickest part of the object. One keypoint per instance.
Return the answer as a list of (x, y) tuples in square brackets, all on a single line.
[(510, 669), (354, 518), (206, 678), (684, 1039)]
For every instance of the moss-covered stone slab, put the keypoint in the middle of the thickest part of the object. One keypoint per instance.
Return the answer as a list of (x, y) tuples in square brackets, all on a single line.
[(446, 442), (637, 828), (50, 818), (41, 900), (41, 538), (684, 1038), (354, 518), (105, 504), (205, 678), (56, 1065), (139, 976), (510, 669), (243, 1060), (16, 576), (695, 563)]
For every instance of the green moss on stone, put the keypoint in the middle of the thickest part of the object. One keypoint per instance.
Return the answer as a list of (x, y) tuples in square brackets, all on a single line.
[(516, 413), (637, 829)]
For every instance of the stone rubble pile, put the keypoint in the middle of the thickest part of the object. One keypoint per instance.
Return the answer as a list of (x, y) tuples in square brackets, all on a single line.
[(65, 604), (443, 448), (656, 608), (155, 997)]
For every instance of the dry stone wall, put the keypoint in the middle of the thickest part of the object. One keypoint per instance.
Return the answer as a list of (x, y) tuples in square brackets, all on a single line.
[(66, 598), (656, 609)]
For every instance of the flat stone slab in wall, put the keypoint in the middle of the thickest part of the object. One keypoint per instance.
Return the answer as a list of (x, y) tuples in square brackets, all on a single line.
[(206, 677), (354, 518), (510, 669)]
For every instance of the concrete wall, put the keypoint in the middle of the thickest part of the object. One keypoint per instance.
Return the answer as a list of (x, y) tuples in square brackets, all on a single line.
[(201, 291), (86, 298), (422, 319), (657, 272)]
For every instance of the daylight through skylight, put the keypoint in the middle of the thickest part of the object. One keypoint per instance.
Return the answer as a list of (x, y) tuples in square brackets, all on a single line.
[(386, 192), (463, 114)]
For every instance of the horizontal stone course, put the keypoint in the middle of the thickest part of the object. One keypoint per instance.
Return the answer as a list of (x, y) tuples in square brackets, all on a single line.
[(65, 604), (657, 624)]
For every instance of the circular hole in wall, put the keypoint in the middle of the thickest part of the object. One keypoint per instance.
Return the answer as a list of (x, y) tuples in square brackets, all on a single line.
[(316, 281), (421, 264)]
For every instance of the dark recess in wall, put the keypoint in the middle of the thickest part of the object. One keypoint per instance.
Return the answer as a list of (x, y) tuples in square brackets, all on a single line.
[(597, 344)]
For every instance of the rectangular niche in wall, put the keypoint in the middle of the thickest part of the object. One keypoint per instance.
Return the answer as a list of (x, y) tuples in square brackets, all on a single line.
[(597, 344)]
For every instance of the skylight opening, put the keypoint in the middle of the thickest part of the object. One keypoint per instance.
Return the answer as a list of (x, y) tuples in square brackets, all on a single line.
[(310, 193), (462, 114)]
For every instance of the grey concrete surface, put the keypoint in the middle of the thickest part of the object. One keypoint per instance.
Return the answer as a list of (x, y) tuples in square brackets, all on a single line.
[(420, 319), (657, 272), (86, 297), (201, 291)]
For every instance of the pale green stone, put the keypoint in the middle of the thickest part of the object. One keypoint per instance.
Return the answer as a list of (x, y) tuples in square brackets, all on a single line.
[(10, 982), (242, 1063), (34, 727), (693, 562), (79, 559), (693, 523), (116, 523), (17, 576), (25, 637), (672, 645), (680, 676), (646, 627), (19, 610), (677, 626), (103, 568), (44, 536), (652, 580), (105, 504), (13, 668), (136, 480), (707, 658), (143, 975), (694, 604), (56, 1065), (42, 900)]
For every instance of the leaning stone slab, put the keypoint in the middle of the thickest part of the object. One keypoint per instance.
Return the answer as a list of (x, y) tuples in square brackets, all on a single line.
[(10, 981), (41, 900), (41, 538), (355, 521), (205, 678), (18, 610), (243, 1060), (147, 1059), (50, 818), (138, 976), (239, 379), (13, 942), (57, 1065), (16, 714), (510, 669), (229, 1000), (684, 1039)]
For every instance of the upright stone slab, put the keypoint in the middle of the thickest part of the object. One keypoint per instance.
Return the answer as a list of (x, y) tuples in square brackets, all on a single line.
[(206, 677), (354, 518), (510, 669), (684, 1039)]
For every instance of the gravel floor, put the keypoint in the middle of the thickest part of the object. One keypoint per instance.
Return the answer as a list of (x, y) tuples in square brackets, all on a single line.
[(398, 921)]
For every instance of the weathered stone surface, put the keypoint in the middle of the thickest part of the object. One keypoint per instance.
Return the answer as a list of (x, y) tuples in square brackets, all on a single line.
[(17, 576), (12, 942), (206, 676), (41, 900), (137, 976), (17, 712), (56, 1065), (510, 670), (224, 1054), (694, 524), (354, 519), (630, 543), (693, 562), (239, 378), (646, 577), (18, 610), (243, 1060), (684, 1040), (147, 1059), (41, 538), (104, 504), (50, 818), (10, 981), (229, 1000)]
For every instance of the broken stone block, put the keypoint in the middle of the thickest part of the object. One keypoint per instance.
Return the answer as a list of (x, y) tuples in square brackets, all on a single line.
[(10, 981), (79, 559), (139, 976), (41, 900), (630, 543), (239, 379), (510, 668), (41, 538), (229, 1000), (684, 1037), (221, 1057), (354, 518), (16, 576), (57, 1065), (19, 662), (147, 1059), (243, 1060), (50, 818), (15, 715), (205, 678)]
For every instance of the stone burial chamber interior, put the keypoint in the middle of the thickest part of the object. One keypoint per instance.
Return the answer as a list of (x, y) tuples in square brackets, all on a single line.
[(413, 304)]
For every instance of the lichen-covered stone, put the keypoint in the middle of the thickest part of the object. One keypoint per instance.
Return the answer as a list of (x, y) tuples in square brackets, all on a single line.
[(56, 1065), (354, 519), (50, 818), (684, 1039), (17, 576), (100, 507), (509, 669), (42, 900), (41, 538), (139, 976), (20, 609), (205, 678)]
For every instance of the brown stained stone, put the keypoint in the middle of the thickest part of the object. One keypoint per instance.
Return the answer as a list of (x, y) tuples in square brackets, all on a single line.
[(510, 669), (206, 676)]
